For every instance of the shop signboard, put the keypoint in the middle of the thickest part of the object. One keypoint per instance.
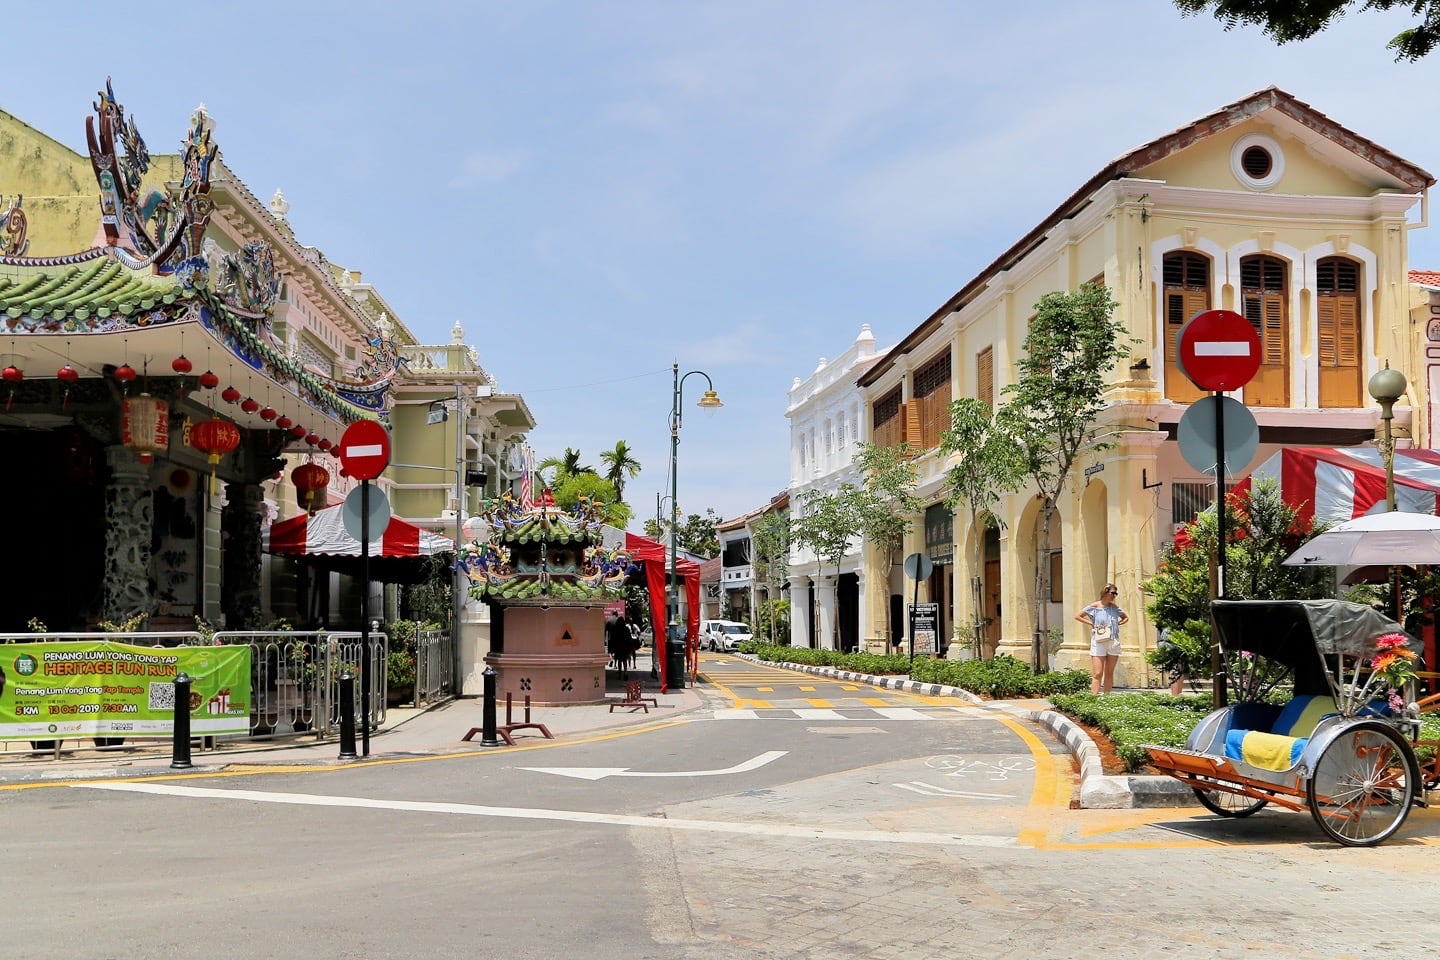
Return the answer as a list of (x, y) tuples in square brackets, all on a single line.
[(925, 618), (56, 690)]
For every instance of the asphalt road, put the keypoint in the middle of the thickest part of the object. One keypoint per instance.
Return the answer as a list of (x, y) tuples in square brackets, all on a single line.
[(796, 817)]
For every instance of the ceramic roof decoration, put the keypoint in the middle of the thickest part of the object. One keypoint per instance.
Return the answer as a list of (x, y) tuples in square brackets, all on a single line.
[(544, 552)]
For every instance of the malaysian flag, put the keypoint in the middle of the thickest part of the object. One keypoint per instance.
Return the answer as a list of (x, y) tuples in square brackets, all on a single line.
[(527, 483)]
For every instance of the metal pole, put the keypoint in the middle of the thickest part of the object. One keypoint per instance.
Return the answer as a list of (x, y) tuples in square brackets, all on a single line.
[(180, 749), (365, 615), (489, 732), (1389, 462), (347, 716), (457, 587), (672, 602), (1217, 662)]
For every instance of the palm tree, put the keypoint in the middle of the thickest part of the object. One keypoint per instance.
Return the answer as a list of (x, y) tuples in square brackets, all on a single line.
[(619, 464), (566, 466)]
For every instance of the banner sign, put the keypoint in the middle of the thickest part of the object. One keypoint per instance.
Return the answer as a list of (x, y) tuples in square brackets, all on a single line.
[(925, 618), (51, 691)]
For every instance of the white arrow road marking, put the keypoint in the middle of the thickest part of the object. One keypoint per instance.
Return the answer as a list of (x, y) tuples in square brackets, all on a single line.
[(931, 790), (1221, 348), (599, 773), (788, 831)]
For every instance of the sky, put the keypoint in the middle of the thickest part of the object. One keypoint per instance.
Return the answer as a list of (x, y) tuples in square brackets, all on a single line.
[(598, 191)]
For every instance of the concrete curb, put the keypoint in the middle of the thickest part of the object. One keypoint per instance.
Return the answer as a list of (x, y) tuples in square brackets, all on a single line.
[(1097, 790)]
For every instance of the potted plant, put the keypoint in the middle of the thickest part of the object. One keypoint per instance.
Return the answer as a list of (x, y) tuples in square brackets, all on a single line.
[(399, 678)]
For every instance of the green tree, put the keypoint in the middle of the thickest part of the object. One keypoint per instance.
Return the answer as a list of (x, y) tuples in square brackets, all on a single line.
[(984, 464), (1285, 21), (620, 465), (696, 533), (653, 530), (825, 524), (770, 556), (1049, 414), (886, 504), (568, 465), (571, 488), (1262, 530)]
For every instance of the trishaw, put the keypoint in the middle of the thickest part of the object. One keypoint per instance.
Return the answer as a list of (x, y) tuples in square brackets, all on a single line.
[(1340, 746)]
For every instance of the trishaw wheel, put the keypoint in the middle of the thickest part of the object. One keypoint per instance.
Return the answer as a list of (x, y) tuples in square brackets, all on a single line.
[(1223, 803), (1363, 785)]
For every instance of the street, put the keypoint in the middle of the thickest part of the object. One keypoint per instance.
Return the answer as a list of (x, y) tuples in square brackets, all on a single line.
[(794, 816)]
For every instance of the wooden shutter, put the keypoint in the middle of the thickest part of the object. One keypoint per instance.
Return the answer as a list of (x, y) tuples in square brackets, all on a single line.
[(910, 412), (985, 376), (1273, 333)]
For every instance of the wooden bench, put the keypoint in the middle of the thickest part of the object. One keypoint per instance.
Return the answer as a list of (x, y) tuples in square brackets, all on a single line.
[(634, 697)]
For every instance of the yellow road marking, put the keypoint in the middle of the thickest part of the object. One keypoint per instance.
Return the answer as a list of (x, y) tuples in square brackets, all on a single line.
[(819, 703), (874, 702), (807, 689)]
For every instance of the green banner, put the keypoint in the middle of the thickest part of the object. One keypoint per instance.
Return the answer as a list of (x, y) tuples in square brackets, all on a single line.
[(50, 691)]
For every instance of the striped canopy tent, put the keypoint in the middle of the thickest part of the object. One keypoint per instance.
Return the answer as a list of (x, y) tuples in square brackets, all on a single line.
[(321, 537), (1330, 484)]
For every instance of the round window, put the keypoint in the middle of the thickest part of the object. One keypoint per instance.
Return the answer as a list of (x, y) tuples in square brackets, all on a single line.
[(1257, 162)]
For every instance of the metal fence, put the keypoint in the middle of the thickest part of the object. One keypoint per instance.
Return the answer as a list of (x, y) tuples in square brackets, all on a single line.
[(294, 675), (434, 665)]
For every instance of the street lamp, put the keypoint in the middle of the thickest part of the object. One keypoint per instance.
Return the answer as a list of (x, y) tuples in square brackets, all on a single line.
[(675, 646), (1388, 386)]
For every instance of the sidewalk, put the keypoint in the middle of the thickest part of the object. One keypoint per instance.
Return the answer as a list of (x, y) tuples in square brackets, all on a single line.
[(407, 731)]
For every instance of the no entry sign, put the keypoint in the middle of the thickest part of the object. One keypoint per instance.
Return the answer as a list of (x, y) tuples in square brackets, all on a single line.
[(365, 449), (1219, 350)]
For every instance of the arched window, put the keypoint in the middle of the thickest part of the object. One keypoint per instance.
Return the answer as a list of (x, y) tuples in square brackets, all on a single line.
[(1338, 318), (1264, 294), (1187, 292)]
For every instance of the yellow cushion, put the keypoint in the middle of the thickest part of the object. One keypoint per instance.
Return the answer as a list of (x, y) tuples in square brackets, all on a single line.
[(1291, 723)]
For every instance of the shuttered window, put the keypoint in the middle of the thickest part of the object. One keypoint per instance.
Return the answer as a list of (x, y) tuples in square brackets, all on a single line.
[(1264, 294), (985, 376), (1337, 314), (1187, 292), (889, 428), (930, 408)]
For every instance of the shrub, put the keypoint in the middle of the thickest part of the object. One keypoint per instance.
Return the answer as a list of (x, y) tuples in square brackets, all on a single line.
[(1133, 719), (1001, 677), (399, 669)]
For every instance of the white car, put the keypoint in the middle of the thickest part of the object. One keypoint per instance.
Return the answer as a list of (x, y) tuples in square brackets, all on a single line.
[(723, 635)]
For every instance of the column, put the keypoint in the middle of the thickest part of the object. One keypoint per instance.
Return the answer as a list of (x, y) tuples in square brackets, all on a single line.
[(129, 525), (240, 597), (800, 612), (825, 600), (860, 619)]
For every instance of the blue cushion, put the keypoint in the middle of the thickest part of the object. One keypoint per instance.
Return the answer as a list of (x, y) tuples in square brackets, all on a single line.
[(1268, 751), (1299, 717)]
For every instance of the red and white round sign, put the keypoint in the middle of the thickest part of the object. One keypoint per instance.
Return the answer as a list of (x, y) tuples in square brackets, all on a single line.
[(365, 449), (1219, 350)]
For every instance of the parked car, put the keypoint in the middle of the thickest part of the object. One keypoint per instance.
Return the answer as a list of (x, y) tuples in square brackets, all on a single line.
[(723, 635)]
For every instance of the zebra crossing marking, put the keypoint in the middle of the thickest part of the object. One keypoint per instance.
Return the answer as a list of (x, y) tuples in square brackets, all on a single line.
[(820, 713)]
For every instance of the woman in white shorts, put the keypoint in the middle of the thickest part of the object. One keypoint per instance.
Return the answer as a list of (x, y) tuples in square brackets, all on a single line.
[(1105, 619)]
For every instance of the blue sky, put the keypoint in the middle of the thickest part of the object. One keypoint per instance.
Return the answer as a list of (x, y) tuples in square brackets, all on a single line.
[(597, 190)]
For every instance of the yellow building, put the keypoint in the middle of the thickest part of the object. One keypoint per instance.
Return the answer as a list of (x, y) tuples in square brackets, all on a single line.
[(1266, 207)]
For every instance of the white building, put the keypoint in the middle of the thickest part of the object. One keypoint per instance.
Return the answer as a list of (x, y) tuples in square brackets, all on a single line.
[(826, 415)]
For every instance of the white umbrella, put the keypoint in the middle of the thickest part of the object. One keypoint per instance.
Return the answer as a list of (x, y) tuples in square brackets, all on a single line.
[(1387, 539)]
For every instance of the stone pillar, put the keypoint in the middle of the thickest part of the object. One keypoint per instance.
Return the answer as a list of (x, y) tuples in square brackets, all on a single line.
[(825, 600), (861, 621), (240, 596), (799, 611), (129, 525)]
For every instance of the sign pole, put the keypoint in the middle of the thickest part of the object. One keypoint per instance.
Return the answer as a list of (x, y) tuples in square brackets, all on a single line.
[(1217, 662), (365, 616)]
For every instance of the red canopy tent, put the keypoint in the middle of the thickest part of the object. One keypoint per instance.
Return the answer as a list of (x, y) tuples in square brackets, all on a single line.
[(1329, 484), (655, 559), (323, 537)]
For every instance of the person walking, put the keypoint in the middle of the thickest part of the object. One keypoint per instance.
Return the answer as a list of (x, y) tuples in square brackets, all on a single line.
[(1105, 618)]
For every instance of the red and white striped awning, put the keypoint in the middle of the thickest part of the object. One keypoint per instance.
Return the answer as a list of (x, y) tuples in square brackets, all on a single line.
[(1329, 484), (323, 533)]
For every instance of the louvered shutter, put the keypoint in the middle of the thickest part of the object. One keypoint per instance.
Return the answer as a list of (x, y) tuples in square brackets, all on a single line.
[(1326, 331), (912, 435), (1273, 333), (985, 376)]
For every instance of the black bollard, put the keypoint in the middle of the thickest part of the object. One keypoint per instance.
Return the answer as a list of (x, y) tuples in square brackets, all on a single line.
[(180, 753), (489, 736), (347, 716)]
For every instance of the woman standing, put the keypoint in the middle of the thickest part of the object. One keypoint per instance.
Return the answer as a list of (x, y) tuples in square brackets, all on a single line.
[(1105, 619)]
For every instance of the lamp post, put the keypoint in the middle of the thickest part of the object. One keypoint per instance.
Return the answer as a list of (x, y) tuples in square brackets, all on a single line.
[(1388, 386), (674, 674)]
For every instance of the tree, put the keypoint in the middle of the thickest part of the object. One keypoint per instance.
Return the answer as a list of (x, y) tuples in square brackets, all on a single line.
[(886, 504), (825, 524), (570, 489), (620, 464), (1073, 340), (770, 556), (697, 533), (567, 466), (983, 465), (1285, 21)]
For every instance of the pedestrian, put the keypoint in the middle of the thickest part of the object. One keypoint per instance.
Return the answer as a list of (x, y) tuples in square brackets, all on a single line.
[(617, 638), (1105, 619)]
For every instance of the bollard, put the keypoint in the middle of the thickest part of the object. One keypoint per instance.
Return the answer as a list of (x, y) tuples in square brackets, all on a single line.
[(180, 753), (489, 736), (347, 716)]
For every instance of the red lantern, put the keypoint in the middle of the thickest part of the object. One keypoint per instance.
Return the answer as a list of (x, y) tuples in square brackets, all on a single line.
[(145, 425), (12, 375), (208, 380), (312, 438), (284, 423), (250, 405), (214, 438), (325, 444), (125, 373), (230, 395), (310, 481), (66, 375), (297, 431), (268, 414), (181, 365)]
